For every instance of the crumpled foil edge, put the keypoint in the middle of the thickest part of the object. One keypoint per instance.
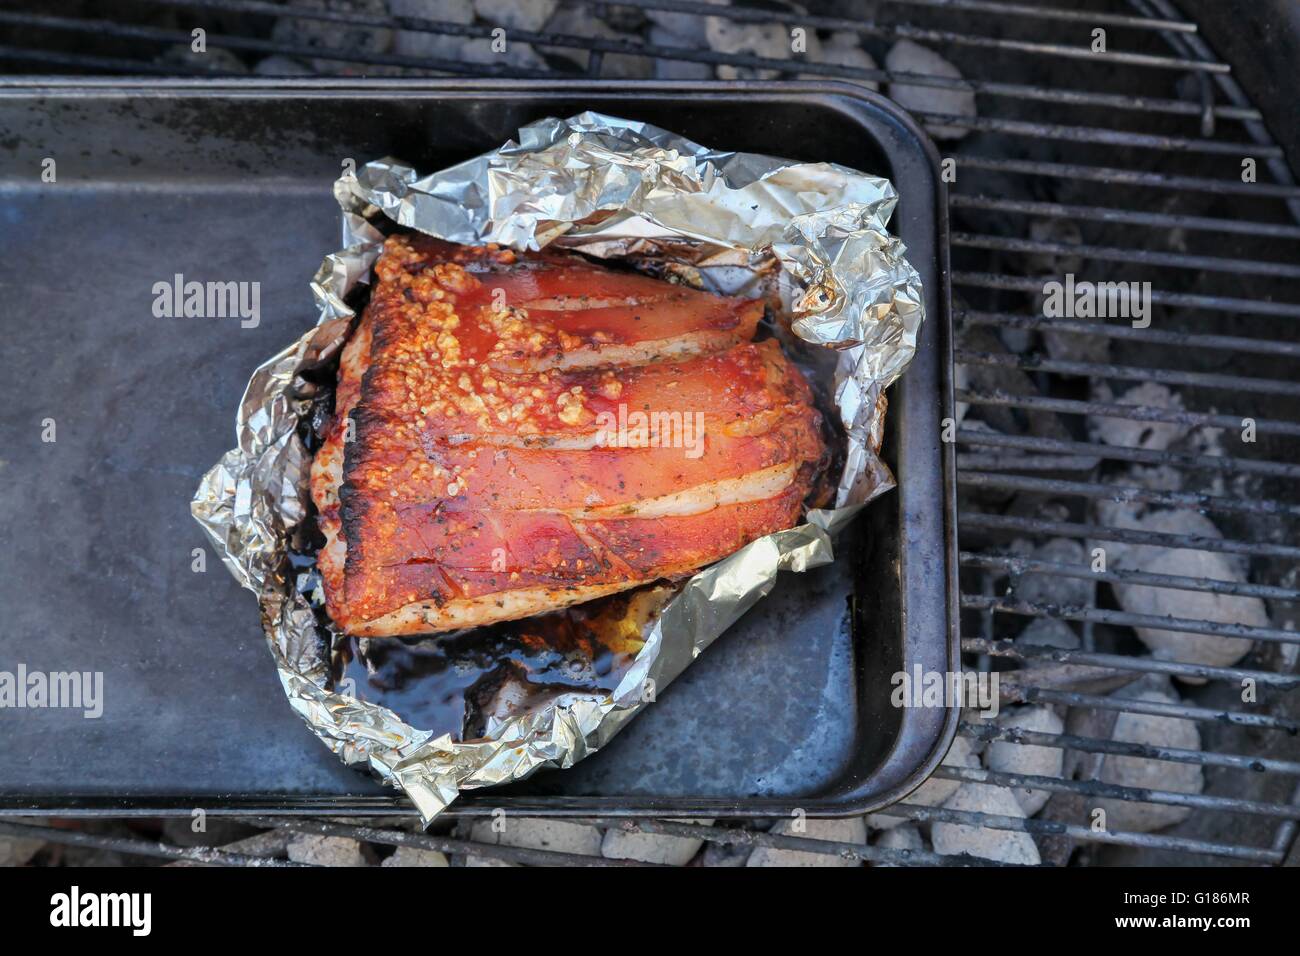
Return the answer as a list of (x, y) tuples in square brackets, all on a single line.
[(611, 188)]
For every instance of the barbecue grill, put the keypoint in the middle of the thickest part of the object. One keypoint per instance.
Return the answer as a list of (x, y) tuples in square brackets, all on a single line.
[(1140, 160)]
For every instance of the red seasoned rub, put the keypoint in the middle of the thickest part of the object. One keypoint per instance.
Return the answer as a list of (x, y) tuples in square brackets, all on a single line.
[(520, 432)]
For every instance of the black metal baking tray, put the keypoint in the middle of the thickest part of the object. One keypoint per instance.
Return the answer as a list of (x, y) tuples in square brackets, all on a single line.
[(231, 181)]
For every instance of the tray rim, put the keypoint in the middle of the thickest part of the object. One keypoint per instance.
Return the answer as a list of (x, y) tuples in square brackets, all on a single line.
[(472, 805)]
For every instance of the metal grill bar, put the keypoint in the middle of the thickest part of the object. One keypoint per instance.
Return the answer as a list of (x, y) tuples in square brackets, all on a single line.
[(1019, 10), (1069, 97), (123, 31), (1017, 565), (1114, 792), (1083, 450), (441, 844), (531, 857), (777, 841), (918, 34), (1144, 665), (1215, 303), (990, 732), (1130, 217), (1236, 343), (1067, 529), (83, 61), (1050, 695), (1137, 413), (1081, 834), (1041, 363), (968, 461), (1095, 134), (1022, 11), (1122, 493), (1157, 622), (133, 847), (1174, 260), (1286, 833), (1119, 176), (1079, 452)]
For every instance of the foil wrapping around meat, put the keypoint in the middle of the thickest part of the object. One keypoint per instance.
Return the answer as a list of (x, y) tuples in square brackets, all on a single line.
[(733, 223)]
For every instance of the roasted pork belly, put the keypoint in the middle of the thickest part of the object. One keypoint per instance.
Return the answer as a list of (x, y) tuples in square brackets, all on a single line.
[(517, 433)]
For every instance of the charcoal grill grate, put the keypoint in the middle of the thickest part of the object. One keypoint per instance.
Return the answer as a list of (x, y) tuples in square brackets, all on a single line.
[(1129, 164)]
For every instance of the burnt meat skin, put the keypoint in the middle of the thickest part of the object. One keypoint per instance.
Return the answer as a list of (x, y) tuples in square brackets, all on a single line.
[(515, 433)]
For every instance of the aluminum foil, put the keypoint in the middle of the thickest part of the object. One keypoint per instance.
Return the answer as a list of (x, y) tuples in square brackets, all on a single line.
[(810, 236)]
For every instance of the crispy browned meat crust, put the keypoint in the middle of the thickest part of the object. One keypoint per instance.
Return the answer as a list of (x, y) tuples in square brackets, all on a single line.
[(515, 433)]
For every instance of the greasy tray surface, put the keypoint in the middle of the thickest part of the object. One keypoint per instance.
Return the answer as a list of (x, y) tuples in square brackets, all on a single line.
[(98, 573)]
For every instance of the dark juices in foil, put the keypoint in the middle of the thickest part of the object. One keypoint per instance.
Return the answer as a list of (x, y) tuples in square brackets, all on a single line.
[(453, 682)]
